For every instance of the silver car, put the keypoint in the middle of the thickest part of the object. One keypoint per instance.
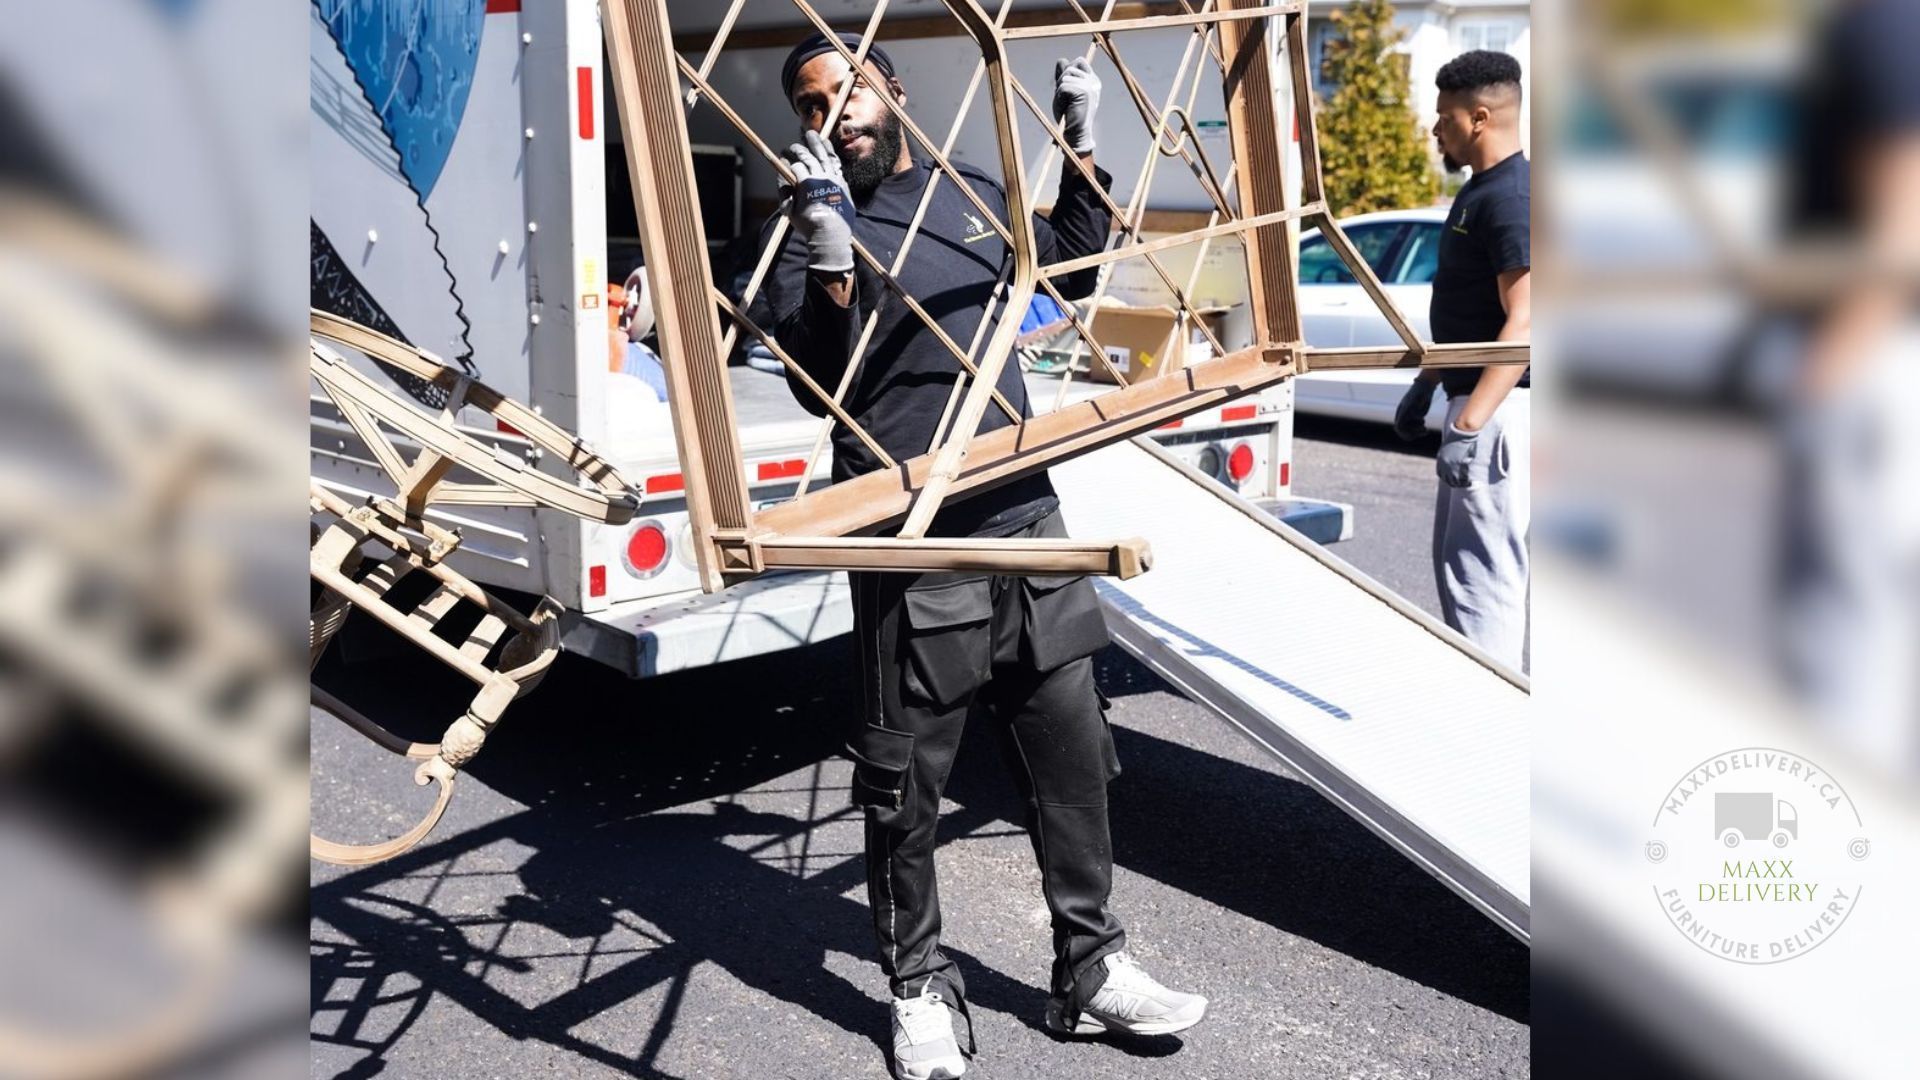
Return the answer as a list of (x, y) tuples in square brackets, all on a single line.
[(1403, 247)]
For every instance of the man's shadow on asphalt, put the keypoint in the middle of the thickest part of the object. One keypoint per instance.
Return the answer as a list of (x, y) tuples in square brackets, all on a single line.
[(1189, 819), (708, 887)]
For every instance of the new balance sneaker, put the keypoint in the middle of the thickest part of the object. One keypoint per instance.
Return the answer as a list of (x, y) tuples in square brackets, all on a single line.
[(923, 1044), (1130, 1001)]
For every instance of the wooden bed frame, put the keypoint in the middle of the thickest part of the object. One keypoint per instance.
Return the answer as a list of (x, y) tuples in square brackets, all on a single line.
[(821, 529), (361, 552)]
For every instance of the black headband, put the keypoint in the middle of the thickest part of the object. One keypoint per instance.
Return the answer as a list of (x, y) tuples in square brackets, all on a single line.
[(818, 44)]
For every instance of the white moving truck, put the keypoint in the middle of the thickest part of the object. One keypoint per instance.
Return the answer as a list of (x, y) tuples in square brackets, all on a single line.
[(465, 171)]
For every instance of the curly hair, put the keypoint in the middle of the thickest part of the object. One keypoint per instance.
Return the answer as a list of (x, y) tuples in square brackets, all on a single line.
[(1478, 70)]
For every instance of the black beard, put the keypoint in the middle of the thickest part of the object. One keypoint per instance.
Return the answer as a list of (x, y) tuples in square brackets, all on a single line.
[(1449, 162), (864, 174)]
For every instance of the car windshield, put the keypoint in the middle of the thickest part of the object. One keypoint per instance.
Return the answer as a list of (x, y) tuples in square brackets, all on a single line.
[(1319, 265), (1419, 256), (1714, 117)]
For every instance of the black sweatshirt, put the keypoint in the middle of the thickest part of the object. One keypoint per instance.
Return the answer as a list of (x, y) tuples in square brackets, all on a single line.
[(900, 391)]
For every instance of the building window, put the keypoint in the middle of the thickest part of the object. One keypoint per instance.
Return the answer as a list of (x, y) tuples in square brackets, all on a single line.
[(1322, 33), (1483, 34)]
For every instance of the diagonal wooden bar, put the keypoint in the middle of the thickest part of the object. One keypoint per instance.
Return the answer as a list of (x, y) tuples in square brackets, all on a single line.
[(1226, 228), (793, 367), (1363, 273), (946, 465), (859, 353), (1000, 283), (1005, 132), (781, 226), (1059, 137), (860, 249), (1136, 203), (714, 47), (1152, 115), (945, 166)]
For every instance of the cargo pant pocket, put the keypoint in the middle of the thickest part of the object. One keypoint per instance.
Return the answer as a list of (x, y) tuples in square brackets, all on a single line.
[(1106, 725), (1063, 621), (947, 640), (882, 767)]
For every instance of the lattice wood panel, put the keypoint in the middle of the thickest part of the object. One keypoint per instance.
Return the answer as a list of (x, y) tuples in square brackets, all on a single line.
[(1253, 47)]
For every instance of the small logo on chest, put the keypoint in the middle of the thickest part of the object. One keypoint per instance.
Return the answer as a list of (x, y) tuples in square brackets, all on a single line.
[(976, 229)]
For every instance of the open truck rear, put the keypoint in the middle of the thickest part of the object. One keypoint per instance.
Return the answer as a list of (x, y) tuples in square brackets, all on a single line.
[(470, 197)]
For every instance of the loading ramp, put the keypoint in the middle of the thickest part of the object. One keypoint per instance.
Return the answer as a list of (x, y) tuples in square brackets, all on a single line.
[(1397, 719)]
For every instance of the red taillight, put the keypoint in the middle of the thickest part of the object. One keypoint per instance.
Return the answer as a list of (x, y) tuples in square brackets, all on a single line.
[(647, 549), (1240, 463), (1285, 474)]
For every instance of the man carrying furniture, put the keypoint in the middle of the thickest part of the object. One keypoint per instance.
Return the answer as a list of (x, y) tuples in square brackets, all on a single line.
[(931, 645)]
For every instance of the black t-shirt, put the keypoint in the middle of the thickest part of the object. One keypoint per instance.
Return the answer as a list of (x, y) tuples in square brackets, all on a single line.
[(1487, 233), (901, 389), (1863, 87)]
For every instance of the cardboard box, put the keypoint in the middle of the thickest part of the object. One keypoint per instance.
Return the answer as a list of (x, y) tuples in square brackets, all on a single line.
[(1144, 342), (1222, 278)]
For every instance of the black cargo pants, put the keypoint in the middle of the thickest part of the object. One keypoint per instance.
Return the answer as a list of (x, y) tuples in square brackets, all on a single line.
[(930, 645)]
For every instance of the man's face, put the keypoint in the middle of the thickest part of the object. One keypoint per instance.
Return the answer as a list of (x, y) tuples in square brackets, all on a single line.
[(1458, 124), (867, 136)]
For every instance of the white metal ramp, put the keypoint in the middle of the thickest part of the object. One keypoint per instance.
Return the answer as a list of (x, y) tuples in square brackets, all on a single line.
[(1383, 709)]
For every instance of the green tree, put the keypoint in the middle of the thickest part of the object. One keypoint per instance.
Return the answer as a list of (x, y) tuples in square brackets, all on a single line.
[(1373, 150)]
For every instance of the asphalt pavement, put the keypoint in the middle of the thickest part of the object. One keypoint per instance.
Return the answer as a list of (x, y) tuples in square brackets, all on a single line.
[(663, 879)]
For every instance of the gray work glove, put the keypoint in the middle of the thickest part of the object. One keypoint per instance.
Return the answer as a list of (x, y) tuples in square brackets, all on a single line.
[(1076, 94), (820, 204), (1455, 460), (1410, 419)]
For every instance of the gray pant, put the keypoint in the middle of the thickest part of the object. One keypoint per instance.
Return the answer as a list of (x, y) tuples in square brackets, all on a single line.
[(1849, 554), (1480, 560)]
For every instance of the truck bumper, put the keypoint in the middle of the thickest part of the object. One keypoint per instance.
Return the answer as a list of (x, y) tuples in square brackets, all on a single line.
[(659, 635), (663, 634)]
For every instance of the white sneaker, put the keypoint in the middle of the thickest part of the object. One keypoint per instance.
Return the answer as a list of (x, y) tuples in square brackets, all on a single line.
[(923, 1044), (1131, 1001)]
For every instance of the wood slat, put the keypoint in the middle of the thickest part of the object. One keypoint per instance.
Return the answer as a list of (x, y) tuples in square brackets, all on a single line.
[(427, 614), (1034, 558), (1255, 130), (653, 121), (484, 637), (1471, 354)]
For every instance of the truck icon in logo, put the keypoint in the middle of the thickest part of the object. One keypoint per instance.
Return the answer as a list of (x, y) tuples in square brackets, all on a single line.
[(1754, 815)]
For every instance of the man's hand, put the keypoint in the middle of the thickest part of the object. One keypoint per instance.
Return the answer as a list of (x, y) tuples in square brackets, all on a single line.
[(1076, 94), (820, 205), (1410, 419), (1455, 460)]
